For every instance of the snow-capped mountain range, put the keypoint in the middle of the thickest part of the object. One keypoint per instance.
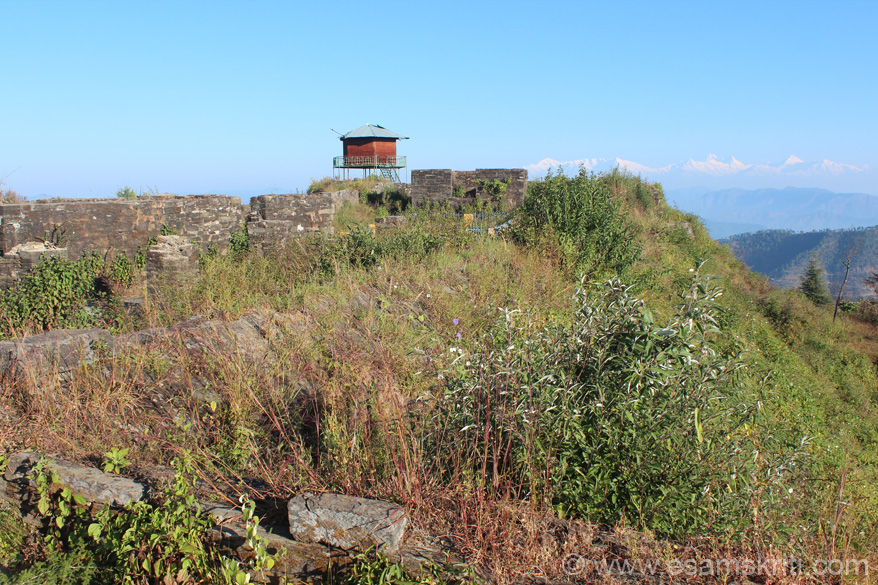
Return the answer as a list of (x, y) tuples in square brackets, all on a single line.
[(716, 172)]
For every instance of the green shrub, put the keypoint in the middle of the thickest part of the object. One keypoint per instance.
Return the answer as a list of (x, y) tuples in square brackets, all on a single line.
[(74, 566), (584, 220), (632, 188), (126, 192), (617, 418), (145, 542), (239, 240), (496, 188), (361, 248), (121, 271), (318, 185), (52, 295)]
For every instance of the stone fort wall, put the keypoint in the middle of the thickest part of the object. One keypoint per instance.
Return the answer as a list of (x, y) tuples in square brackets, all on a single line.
[(123, 225), (120, 224), (438, 185)]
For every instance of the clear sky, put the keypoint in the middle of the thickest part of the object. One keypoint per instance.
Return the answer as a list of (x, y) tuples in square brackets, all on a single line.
[(239, 97)]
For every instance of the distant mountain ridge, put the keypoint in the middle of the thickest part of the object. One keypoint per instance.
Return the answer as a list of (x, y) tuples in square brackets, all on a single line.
[(793, 208), (783, 255)]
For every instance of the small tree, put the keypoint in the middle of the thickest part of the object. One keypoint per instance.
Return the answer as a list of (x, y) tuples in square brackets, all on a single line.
[(813, 284), (126, 193)]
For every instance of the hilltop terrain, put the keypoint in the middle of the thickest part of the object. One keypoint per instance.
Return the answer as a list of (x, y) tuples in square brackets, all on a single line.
[(598, 381)]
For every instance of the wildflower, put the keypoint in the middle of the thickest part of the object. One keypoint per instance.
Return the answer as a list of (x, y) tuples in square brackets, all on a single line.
[(428, 295), (455, 321), (453, 350), (458, 335)]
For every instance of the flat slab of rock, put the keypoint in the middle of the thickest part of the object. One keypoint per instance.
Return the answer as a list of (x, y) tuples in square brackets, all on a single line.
[(346, 522), (298, 560), (59, 351), (92, 484)]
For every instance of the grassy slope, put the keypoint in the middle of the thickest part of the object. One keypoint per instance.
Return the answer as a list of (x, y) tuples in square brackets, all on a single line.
[(343, 407), (821, 385)]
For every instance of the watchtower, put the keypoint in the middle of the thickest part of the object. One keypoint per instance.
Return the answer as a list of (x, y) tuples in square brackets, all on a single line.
[(370, 148)]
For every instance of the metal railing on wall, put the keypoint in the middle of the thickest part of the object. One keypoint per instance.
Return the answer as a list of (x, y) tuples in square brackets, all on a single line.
[(484, 222)]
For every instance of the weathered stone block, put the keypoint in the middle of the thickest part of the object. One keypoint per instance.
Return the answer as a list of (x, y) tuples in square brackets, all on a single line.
[(92, 484), (297, 559), (431, 185), (54, 352), (391, 220), (437, 185), (172, 258), (346, 522)]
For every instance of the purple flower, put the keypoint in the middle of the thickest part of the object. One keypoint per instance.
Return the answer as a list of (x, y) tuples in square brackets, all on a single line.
[(455, 321), (458, 335)]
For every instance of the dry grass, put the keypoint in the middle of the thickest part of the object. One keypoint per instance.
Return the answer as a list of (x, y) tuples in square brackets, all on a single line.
[(340, 399), (10, 196)]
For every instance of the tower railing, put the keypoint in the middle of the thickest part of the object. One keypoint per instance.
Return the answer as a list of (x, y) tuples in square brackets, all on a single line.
[(368, 162)]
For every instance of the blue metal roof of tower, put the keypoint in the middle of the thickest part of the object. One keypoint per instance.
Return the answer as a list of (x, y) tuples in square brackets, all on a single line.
[(373, 131)]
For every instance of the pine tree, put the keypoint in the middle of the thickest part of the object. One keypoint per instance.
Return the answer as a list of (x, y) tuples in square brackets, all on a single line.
[(813, 284)]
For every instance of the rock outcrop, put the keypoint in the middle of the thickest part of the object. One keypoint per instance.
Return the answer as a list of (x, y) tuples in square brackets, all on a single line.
[(347, 522), (324, 531), (54, 352)]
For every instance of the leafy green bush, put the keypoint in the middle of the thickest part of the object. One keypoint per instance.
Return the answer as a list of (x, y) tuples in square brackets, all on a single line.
[(632, 188), (585, 221), (126, 192), (52, 295), (496, 188), (361, 248), (866, 310), (121, 270), (617, 418), (145, 542), (661, 438), (391, 198), (60, 293), (239, 240)]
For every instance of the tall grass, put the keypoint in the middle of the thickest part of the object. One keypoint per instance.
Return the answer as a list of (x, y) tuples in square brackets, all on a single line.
[(465, 377)]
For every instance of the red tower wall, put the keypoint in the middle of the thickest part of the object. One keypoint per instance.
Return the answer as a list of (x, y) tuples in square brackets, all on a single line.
[(380, 147)]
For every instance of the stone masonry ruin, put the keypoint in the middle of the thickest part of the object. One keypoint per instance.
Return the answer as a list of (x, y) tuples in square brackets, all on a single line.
[(439, 185), (123, 226), (75, 226)]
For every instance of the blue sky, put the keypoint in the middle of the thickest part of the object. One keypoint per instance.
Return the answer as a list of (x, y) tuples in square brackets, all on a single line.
[(239, 97)]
